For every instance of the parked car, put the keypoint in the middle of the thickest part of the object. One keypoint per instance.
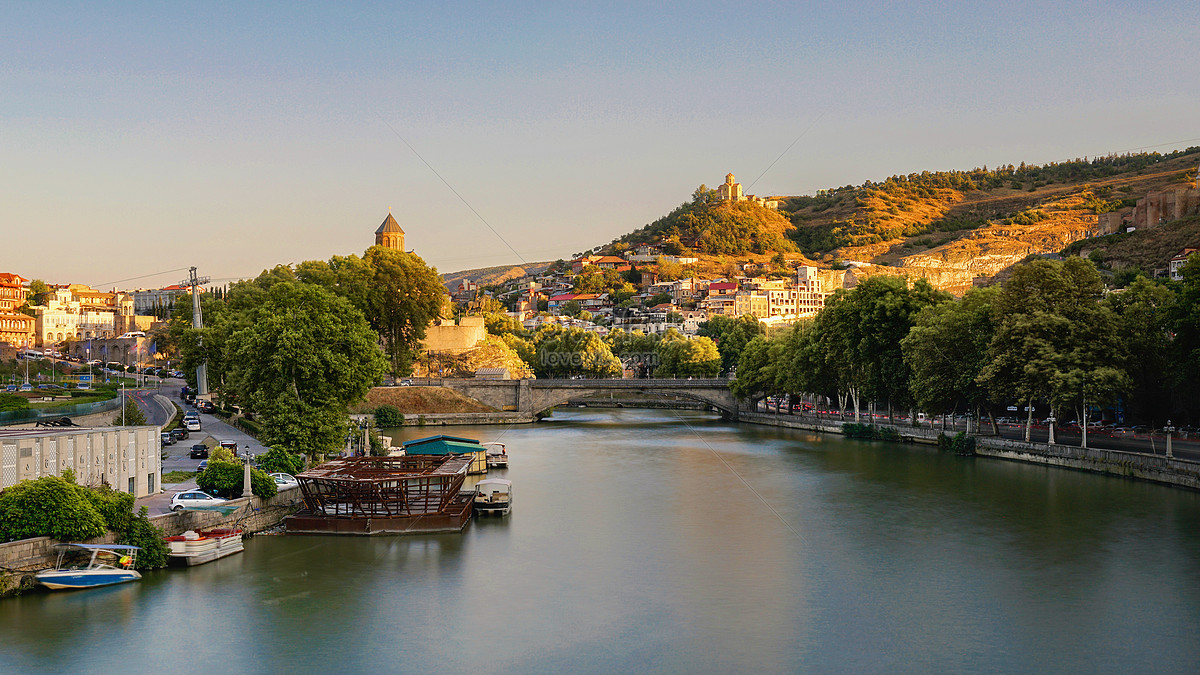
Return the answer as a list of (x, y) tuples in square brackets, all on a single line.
[(199, 451), (193, 499), (231, 446), (202, 465), (206, 406), (192, 424), (180, 433), (166, 438), (284, 480)]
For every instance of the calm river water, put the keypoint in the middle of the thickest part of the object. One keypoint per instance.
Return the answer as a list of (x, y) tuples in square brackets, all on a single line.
[(673, 542)]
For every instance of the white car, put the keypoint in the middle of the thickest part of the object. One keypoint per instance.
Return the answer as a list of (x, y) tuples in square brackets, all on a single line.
[(191, 424), (284, 481), (193, 499)]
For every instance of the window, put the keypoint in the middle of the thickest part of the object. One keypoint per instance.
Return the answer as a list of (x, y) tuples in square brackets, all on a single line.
[(150, 483), (132, 485)]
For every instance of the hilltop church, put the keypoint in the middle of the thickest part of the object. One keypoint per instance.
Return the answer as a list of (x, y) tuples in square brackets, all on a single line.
[(389, 234)]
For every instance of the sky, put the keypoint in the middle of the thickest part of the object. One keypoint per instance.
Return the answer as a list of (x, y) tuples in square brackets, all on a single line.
[(139, 139)]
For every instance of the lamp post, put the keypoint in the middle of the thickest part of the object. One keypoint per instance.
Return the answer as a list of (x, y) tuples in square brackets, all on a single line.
[(1050, 421), (1169, 429)]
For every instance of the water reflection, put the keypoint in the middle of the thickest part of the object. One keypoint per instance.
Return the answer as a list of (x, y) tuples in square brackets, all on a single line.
[(662, 540)]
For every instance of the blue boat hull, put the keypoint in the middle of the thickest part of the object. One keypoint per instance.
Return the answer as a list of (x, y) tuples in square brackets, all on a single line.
[(64, 580)]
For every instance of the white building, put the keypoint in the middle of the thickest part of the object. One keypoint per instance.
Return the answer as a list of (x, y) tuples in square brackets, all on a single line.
[(127, 458)]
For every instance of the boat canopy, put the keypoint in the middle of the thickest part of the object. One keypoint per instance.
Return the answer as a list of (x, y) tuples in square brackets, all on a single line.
[(441, 445), (494, 485), (102, 547)]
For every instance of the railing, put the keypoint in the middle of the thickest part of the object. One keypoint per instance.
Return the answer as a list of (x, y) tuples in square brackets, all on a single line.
[(35, 414)]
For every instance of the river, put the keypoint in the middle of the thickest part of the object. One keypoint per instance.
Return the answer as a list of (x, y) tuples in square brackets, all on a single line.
[(671, 541)]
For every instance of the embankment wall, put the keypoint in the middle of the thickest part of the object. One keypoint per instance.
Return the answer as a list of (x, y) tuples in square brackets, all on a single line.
[(18, 559), (1154, 468)]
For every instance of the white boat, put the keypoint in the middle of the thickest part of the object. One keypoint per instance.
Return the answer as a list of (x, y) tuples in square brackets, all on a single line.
[(195, 548), (90, 565), (497, 456), (493, 495)]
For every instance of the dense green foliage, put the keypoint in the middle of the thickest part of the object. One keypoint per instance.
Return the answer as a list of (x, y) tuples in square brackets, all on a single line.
[(142, 533), (54, 506), (1050, 335), (226, 479), (278, 460), (388, 416), (572, 352), (48, 507), (731, 336), (707, 225), (13, 402)]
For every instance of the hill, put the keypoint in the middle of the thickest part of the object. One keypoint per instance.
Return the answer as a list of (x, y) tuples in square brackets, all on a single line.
[(487, 276)]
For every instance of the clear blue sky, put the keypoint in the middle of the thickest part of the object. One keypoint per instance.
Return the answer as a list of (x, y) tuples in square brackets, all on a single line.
[(137, 138)]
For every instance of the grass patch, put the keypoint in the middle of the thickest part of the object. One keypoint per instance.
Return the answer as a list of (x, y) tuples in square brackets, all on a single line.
[(173, 477)]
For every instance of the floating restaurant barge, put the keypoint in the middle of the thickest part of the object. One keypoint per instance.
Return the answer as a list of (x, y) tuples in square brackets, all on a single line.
[(384, 495)]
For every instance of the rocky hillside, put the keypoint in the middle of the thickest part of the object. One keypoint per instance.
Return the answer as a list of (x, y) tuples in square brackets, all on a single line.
[(948, 227), (486, 276)]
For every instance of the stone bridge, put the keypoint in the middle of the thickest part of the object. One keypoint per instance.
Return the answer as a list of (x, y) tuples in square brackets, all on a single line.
[(535, 397)]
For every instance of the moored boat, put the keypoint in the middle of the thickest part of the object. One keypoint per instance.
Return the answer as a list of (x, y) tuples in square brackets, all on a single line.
[(497, 456), (493, 495), (90, 565), (195, 548)]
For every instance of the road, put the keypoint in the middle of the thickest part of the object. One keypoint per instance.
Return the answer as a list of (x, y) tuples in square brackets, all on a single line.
[(158, 406)]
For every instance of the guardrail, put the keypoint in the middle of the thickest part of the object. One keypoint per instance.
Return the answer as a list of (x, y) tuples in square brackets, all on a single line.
[(35, 414)]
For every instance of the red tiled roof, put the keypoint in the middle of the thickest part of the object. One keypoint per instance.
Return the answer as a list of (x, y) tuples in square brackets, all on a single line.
[(722, 287), (563, 297)]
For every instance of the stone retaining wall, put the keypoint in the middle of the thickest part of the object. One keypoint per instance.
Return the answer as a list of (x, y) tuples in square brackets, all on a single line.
[(1154, 468), (18, 559)]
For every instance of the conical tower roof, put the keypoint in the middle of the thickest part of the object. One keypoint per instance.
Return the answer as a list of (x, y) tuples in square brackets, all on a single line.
[(389, 224)]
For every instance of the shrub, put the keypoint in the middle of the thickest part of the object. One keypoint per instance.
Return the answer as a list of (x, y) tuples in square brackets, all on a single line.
[(961, 444), (388, 416), (225, 478), (144, 534), (48, 507), (116, 508)]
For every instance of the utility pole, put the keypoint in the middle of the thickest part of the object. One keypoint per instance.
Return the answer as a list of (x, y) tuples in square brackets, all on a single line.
[(194, 282)]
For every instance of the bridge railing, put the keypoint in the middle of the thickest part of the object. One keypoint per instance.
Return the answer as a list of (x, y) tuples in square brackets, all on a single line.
[(633, 383)]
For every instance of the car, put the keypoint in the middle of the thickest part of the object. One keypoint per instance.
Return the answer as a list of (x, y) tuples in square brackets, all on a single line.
[(192, 499), (191, 424), (405, 383), (206, 406), (231, 446), (284, 481), (180, 433), (199, 451), (166, 438), (202, 466)]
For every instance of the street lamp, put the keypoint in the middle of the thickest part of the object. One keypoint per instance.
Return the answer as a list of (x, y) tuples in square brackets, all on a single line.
[(1169, 429), (1050, 421)]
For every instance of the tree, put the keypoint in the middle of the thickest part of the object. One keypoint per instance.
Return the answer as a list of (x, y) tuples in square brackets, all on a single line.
[(302, 358), (570, 352), (755, 371), (130, 416), (1054, 339), (680, 357), (731, 336), (278, 460), (404, 298), (1144, 325), (571, 308), (946, 350)]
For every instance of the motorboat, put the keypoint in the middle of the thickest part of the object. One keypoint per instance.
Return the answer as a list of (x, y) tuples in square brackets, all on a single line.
[(90, 565), (497, 456), (493, 495), (195, 548)]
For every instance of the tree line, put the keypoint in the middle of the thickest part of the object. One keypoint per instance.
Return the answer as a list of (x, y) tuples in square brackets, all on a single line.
[(1051, 335)]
